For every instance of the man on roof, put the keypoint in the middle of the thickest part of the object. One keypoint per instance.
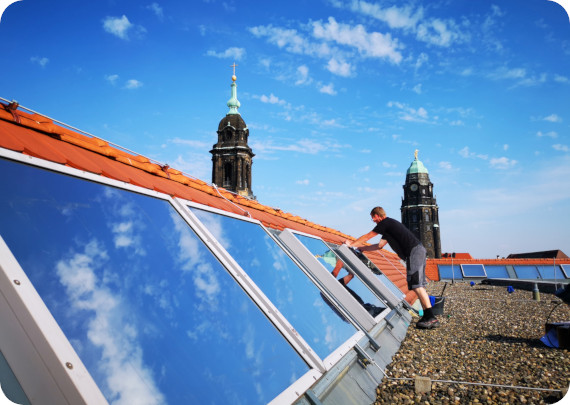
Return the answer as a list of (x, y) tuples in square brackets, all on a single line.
[(409, 249)]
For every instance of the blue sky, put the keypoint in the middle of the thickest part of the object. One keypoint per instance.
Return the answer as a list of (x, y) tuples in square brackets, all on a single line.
[(337, 96)]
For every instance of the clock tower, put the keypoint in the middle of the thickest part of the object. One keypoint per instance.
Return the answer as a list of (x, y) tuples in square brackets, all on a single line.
[(419, 208), (232, 156)]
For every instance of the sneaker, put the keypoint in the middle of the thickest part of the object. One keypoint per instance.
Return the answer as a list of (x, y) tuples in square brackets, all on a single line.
[(428, 324)]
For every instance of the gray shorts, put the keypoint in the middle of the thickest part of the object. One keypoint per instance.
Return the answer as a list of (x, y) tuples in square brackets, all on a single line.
[(416, 267)]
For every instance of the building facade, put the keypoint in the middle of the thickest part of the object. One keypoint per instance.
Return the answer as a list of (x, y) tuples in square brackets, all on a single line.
[(419, 208), (231, 155)]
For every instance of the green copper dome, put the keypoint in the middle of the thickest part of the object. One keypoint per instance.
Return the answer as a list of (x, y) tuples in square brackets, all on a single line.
[(417, 166)]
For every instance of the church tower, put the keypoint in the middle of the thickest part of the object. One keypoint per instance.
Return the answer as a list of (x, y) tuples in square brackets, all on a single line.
[(419, 208), (231, 156)]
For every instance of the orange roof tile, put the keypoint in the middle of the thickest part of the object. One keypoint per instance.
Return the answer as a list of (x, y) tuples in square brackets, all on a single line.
[(40, 137)]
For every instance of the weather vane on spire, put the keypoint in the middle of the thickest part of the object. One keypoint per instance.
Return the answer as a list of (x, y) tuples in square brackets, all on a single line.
[(234, 78)]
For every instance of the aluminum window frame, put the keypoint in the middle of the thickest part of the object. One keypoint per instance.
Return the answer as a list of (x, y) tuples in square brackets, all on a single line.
[(473, 264), (323, 277), (39, 353), (565, 269), (279, 320)]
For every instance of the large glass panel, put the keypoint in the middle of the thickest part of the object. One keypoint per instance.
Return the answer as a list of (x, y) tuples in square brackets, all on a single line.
[(496, 271), (473, 270), (550, 272), (341, 271), (153, 315), (447, 272), (566, 269), (281, 280), (526, 272)]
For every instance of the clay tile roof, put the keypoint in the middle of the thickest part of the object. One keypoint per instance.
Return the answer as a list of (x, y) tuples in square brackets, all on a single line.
[(40, 137)]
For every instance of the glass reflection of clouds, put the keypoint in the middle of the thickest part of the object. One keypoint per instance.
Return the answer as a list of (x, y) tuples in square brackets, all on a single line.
[(330, 260), (153, 315), (285, 284)]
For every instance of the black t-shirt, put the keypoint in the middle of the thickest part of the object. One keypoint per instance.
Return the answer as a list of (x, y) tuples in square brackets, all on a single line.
[(400, 238)]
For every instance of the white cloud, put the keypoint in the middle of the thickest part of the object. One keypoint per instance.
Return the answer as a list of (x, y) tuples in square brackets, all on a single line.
[(422, 59), (339, 68), (291, 40), (127, 378), (561, 79), (112, 79), (374, 45), (302, 75), (445, 165), (40, 61), (304, 182), (466, 153), (502, 163), (120, 26), (561, 148), (505, 147), (133, 84), (271, 99), (433, 31), (389, 165), (417, 88), (204, 277), (157, 10), (550, 134), (231, 53), (553, 118), (328, 89), (408, 113)]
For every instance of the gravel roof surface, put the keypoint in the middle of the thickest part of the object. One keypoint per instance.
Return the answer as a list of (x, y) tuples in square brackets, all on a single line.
[(483, 338)]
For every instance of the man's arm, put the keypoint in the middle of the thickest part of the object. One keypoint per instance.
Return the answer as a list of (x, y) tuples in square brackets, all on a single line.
[(370, 248), (361, 241)]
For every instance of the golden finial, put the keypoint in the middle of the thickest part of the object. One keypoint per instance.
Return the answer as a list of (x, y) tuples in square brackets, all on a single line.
[(416, 154), (234, 78)]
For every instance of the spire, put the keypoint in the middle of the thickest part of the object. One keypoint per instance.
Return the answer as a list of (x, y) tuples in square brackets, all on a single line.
[(233, 102)]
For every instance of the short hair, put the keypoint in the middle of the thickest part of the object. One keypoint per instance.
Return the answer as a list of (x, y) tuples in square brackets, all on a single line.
[(378, 211)]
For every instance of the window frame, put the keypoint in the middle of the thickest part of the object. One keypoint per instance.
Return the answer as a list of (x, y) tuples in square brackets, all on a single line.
[(473, 264)]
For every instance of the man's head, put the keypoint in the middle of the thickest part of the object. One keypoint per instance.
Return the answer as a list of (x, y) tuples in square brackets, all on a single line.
[(377, 214)]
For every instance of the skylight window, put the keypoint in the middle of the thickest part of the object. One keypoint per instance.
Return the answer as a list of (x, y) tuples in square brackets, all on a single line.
[(447, 272), (330, 261), (281, 280), (473, 270), (152, 314), (527, 272), (496, 271), (550, 272)]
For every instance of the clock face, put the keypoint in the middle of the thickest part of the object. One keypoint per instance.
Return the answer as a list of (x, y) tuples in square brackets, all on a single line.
[(414, 187)]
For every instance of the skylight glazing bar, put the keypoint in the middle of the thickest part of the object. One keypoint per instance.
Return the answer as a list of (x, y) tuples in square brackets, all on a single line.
[(43, 361)]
